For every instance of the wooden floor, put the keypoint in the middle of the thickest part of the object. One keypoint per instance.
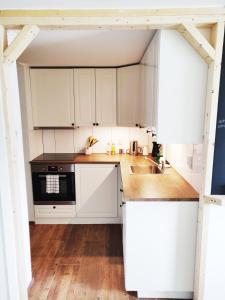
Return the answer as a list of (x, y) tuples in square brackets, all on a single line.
[(80, 262)]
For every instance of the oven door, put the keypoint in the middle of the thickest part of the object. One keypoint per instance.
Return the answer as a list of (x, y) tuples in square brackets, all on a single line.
[(64, 195)]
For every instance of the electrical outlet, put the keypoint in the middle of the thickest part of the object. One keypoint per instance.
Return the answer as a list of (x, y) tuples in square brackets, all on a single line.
[(190, 161)]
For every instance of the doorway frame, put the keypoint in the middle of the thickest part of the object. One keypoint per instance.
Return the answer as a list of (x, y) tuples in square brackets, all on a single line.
[(186, 20)]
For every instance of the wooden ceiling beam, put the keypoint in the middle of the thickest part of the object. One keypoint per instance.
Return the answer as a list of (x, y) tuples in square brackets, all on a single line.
[(20, 43), (111, 18), (198, 41)]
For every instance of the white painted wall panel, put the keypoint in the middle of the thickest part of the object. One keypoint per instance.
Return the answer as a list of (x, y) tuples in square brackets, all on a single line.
[(215, 261)]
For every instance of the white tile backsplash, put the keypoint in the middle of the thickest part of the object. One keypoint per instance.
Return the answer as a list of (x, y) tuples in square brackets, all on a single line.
[(121, 135), (104, 136), (66, 141), (187, 160), (49, 141), (80, 138)]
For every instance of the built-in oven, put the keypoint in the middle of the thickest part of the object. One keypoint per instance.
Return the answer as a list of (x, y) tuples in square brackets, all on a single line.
[(53, 183)]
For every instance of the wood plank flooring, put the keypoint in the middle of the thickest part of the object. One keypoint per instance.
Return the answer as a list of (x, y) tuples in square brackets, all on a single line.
[(77, 262), (81, 262)]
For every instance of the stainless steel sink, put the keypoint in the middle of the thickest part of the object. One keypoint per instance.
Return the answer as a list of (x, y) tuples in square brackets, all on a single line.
[(145, 170)]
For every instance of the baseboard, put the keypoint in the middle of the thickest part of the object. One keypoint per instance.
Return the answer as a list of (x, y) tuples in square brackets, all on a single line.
[(78, 221), (170, 295)]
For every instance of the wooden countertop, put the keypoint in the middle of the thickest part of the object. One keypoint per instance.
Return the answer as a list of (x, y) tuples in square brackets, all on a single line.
[(169, 186)]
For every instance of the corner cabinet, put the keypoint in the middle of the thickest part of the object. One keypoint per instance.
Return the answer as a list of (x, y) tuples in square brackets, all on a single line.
[(52, 97), (96, 190), (128, 95)]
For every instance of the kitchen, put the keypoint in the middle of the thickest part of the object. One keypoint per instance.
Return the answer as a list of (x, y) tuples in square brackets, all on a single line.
[(116, 104)]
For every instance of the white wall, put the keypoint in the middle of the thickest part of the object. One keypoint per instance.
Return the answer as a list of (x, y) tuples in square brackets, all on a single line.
[(4, 287), (187, 160)]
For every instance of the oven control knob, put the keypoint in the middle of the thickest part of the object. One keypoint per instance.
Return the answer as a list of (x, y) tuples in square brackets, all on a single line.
[(60, 169), (43, 169)]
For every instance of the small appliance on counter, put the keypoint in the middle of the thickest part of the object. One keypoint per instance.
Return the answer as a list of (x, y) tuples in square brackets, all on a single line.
[(155, 149), (144, 150), (134, 147)]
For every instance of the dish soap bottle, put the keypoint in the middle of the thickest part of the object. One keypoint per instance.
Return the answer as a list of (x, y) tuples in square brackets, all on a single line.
[(113, 149)]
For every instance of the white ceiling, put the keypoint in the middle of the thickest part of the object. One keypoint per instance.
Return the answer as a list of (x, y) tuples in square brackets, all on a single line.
[(87, 47), (116, 4)]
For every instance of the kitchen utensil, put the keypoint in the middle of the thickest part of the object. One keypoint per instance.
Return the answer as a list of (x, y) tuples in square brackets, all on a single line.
[(134, 147)]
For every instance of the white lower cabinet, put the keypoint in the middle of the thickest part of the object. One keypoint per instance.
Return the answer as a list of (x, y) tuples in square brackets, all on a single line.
[(159, 244), (54, 211), (96, 190)]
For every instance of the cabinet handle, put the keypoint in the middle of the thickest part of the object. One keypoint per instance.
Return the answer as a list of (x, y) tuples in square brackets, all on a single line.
[(121, 190), (72, 124), (137, 125), (94, 124), (122, 204), (54, 207), (116, 166), (97, 124)]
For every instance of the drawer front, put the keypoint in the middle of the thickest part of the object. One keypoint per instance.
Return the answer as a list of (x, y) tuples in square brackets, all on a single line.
[(54, 211)]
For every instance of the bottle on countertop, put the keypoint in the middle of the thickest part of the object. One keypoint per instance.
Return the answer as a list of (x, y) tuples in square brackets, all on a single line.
[(108, 148), (113, 149)]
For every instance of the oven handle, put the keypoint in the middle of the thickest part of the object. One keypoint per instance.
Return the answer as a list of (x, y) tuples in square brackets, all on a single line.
[(43, 176)]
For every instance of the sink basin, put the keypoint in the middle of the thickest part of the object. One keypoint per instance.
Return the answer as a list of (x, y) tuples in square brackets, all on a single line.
[(145, 170)]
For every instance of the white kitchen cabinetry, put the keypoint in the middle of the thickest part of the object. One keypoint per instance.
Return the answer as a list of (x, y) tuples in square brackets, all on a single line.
[(175, 88), (95, 97), (96, 190), (106, 97), (84, 90), (129, 95), (52, 97), (159, 243), (54, 211)]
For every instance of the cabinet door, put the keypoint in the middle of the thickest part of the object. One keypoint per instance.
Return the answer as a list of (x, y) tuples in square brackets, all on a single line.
[(182, 81), (84, 90), (96, 190), (52, 97), (160, 238), (106, 97), (149, 81), (129, 94)]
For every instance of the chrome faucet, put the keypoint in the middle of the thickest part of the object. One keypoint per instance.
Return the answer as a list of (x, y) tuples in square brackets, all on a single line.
[(162, 166)]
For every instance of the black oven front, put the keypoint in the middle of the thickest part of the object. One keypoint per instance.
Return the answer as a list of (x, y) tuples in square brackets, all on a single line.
[(53, 184)]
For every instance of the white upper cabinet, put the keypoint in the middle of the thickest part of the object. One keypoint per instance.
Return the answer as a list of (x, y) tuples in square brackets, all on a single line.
[(84, 90), (52, 97), (129, 95), (105, 97), (175, 89)]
